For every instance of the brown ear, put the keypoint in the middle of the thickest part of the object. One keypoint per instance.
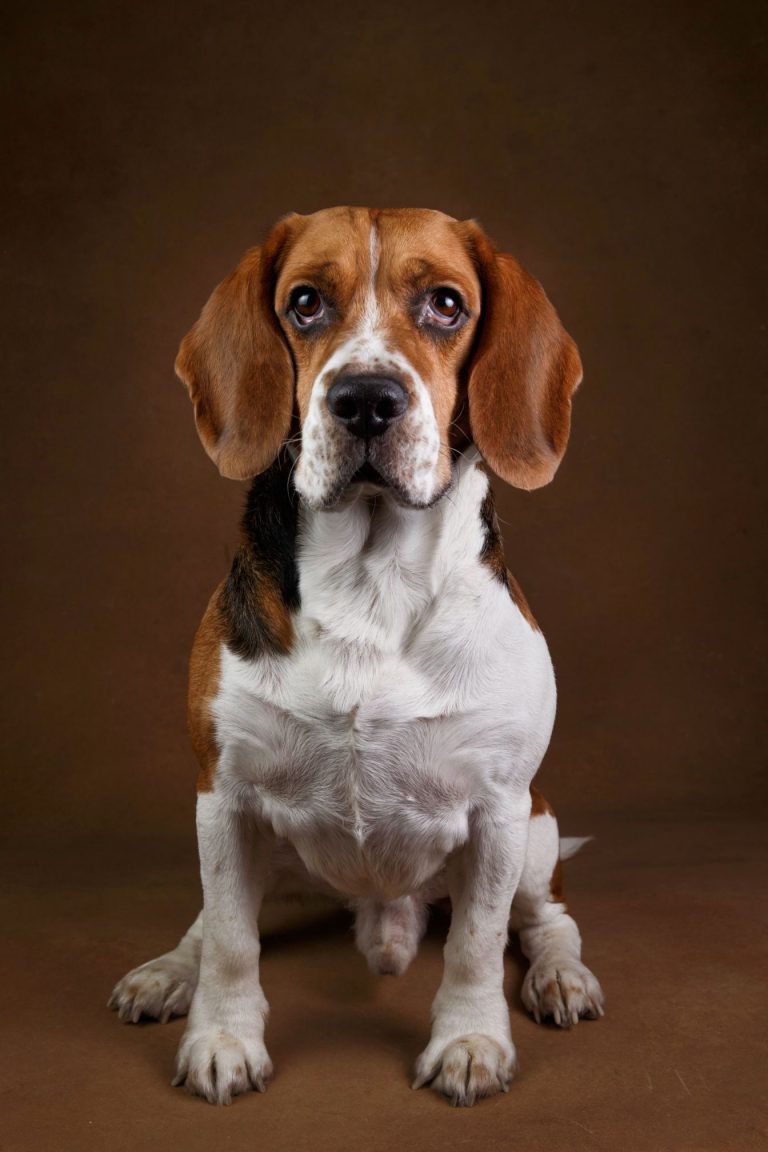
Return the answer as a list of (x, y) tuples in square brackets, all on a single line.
[(523, 372), (238, 369)]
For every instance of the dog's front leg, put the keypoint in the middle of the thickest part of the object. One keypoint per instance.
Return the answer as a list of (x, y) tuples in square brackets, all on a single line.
[(222, 1051), (470, 1053)]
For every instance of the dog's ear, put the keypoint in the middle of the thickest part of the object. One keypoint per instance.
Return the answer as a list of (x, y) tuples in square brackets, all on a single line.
[(522, 373), (237, 366)]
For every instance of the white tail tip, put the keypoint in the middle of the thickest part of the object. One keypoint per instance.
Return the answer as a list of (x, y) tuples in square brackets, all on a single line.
[(570, 845)]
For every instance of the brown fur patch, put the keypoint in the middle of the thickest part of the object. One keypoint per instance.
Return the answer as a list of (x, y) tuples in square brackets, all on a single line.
[(204, 674), (540, 806), (274, 612)]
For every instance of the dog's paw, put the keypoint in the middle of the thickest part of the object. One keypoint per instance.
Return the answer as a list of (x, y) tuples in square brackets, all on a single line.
[(159, 990), (467, 1068), (219, 1065), (562, 990)]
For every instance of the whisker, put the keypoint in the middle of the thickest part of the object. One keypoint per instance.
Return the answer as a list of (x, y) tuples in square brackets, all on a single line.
[(293, 465)]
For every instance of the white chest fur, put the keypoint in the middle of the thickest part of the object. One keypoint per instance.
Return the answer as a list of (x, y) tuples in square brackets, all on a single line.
[(415, 691)]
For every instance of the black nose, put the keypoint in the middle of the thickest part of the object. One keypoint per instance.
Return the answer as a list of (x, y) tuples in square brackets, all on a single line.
[(367, 405)]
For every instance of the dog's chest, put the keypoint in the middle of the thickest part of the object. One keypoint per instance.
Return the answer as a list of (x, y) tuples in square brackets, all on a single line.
[(395, 711)]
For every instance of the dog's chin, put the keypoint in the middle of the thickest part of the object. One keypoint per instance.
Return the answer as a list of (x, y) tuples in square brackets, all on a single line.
[(368, 483), (360, 478), (352, 482)]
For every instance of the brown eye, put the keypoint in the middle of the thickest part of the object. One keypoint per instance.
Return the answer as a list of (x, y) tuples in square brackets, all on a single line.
[(306, 304), (445, 306)]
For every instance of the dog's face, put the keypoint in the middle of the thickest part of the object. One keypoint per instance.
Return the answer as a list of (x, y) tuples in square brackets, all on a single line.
[(379, 311), (379, 343)]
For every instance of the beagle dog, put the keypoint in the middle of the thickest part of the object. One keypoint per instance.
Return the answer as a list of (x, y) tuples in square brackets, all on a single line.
[(370, 696)]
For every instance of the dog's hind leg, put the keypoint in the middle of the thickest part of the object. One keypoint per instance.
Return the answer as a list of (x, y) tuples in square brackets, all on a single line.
[(388, 932), (557, 984), (163, 987)]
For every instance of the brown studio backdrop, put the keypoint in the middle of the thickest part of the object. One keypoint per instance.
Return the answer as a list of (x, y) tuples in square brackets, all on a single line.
[(618, 152)]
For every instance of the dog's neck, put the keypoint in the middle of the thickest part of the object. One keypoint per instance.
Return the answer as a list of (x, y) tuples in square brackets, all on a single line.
[(370, 568), (365, 572)]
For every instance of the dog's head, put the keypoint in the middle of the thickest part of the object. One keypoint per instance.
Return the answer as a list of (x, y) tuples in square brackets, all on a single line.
[(379, 343)]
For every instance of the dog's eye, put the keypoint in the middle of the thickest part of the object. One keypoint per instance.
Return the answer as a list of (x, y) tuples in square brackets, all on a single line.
[(445, 307), (306, 304)]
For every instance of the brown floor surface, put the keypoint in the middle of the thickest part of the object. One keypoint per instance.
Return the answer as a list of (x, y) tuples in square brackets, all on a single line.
[(673, 918)]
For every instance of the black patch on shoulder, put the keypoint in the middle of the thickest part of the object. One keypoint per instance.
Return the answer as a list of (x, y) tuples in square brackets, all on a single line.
[(262, 588), (492, 551)]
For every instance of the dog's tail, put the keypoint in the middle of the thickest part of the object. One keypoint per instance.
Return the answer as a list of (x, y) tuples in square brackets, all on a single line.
[(570, 845)]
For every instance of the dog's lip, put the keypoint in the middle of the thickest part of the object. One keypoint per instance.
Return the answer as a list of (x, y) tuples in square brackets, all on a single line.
[(367, 474)]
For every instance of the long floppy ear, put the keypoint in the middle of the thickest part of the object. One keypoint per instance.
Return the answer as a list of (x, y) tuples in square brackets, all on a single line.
[(237, 366), (522, 374)]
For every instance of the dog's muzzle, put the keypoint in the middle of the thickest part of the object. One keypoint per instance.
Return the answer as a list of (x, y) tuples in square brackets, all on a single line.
[(367, 406)]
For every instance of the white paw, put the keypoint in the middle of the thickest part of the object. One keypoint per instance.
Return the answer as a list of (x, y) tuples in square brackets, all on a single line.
[(218, 1065), (563, 989), (467, 1068), (159, 989)]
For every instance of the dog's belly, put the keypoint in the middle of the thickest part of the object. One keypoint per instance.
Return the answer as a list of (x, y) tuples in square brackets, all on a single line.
[(370, 764)]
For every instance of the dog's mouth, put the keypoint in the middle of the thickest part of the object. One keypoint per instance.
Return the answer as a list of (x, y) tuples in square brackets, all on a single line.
[(368, 480), (367, 474)]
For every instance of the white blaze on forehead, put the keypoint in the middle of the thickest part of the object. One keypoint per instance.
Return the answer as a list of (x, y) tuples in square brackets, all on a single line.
[(371, 314)]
